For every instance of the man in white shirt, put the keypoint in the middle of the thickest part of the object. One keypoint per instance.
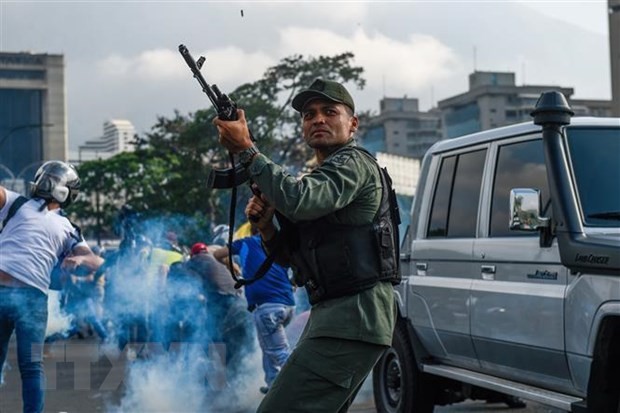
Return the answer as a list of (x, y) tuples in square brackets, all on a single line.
[(35, 239)]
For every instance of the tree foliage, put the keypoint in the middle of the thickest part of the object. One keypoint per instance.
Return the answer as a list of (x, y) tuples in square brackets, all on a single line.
[(168, 174)]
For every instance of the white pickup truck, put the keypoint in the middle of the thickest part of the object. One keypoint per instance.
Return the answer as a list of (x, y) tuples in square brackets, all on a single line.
[(511, 270)]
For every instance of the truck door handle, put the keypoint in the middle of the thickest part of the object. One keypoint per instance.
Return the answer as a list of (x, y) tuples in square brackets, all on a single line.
[(421, 268), (488, 272)]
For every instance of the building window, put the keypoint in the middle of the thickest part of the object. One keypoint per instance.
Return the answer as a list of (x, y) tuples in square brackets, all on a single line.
[(413, 124), (22, 74)]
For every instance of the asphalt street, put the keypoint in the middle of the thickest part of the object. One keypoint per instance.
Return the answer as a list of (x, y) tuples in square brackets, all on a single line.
[(83, 377)]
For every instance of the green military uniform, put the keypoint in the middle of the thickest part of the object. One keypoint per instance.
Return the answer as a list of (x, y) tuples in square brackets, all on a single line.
[(344, 336)]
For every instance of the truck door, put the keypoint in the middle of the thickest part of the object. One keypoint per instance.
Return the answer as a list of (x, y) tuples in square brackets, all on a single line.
[(517, 319), (442, 270)]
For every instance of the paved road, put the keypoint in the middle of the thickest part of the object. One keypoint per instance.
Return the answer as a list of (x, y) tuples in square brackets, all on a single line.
[(83, 378)]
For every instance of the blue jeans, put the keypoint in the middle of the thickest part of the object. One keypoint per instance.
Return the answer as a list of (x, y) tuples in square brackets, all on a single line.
[(270, 320), (25, 311)]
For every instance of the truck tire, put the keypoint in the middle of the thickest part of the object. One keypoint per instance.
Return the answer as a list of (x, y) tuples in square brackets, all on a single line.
[(398, 384), (603, 386)]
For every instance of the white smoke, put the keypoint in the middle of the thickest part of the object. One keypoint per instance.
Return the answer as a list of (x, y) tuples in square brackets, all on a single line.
[(191, 376), (165, 384), (187, 379), (58, 322)]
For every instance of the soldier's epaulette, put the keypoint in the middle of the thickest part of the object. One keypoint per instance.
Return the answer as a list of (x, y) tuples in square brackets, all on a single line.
[(342, 157)]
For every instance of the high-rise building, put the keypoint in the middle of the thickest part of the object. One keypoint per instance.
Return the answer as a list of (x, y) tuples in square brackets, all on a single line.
[(614, 54), (118, 135), (401, 129), (33, 123), (495, 100)]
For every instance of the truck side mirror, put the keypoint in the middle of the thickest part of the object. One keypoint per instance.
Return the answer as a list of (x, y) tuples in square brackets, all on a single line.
[(525, 210)]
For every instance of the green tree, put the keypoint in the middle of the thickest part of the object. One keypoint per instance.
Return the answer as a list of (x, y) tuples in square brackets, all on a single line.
[(168, 174), (267, 102)]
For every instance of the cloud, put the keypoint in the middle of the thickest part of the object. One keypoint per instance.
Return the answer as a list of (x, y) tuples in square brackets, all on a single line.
[(408, 66), (227, 65), (150, 65), (390, 65)]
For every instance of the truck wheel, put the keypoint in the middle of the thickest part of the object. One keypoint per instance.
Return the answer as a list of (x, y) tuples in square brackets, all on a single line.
[(398, 385), (603, 386)]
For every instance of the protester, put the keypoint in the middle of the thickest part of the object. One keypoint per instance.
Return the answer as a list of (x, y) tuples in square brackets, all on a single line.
[(227, 321), (126, 301), (36, 238), (84, 300), (172, 242), (158, 260), (329, 221), (271, 301), (187, 305)]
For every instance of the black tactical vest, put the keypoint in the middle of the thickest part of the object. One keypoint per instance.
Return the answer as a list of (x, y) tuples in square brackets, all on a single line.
[(334, 260)]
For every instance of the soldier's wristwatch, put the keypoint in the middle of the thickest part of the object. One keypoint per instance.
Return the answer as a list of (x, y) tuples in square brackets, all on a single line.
[(246, 155)]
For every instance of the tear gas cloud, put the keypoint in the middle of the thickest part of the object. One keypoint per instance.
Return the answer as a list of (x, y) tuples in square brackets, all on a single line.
[(201, 353), (191, 381), (182, 350), (58, 321)]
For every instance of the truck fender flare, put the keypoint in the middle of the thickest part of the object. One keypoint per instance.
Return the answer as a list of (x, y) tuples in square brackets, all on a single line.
[(607, 309)]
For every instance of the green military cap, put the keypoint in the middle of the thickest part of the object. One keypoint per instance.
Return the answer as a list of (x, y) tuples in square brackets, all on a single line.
[(326, 89)]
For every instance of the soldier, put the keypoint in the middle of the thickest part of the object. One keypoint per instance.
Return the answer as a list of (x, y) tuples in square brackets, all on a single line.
[(338, 234)]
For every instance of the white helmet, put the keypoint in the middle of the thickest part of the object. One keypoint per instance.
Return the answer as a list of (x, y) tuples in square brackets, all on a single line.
[(56, 181), (220, 234)]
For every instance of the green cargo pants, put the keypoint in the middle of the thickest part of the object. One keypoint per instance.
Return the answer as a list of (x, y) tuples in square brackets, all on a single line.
[(323, 374)]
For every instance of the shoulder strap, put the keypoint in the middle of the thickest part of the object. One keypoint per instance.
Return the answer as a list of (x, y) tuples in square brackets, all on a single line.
[(389, 202), (21, 200), (78, 230), (386, 181), (269, 260)]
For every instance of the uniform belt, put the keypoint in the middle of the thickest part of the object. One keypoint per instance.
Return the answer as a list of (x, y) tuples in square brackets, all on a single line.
[(7, 281)]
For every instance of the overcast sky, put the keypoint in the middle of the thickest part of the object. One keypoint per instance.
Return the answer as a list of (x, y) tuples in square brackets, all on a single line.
[(122, 61)]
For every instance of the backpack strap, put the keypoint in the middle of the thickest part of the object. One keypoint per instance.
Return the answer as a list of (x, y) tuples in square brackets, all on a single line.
[(78, 235), (21, 200)]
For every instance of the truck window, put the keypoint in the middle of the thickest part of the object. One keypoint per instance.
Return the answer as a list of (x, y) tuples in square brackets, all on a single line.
[(594, 154), (457, 194), (519, 165)]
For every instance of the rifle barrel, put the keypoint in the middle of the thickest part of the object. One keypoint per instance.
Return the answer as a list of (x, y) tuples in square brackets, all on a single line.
[(197, 75)]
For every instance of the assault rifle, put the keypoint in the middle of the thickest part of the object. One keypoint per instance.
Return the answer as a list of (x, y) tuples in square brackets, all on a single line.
[(226, 109), (226, 178)]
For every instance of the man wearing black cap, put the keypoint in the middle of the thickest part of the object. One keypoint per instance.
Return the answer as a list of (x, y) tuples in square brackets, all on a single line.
[(339, 239)]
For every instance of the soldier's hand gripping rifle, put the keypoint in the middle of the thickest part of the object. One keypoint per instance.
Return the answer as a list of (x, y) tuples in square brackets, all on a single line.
[(226, 109)]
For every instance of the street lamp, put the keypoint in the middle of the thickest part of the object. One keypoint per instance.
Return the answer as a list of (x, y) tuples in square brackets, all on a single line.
[(17, 182), (10, 132), (20, 127), (8, 171)]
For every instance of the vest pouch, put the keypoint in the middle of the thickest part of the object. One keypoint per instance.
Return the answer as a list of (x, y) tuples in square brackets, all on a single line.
[(384, 236), (341, 260)]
